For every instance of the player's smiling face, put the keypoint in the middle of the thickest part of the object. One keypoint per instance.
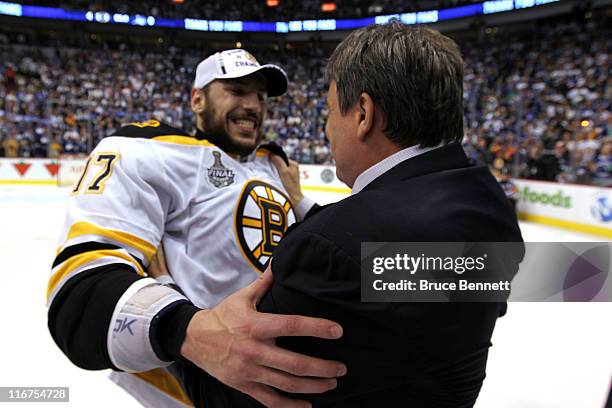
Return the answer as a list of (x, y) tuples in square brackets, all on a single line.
[(233, 111)]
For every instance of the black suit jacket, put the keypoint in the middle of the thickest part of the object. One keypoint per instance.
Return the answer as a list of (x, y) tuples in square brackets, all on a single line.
[(397, 354)]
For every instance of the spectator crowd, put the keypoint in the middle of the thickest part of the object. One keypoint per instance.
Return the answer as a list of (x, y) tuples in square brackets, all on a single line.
[(539, 107), (536, 104)]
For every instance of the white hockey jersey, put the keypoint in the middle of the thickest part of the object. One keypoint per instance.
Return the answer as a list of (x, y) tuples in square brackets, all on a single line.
[(218, 218)]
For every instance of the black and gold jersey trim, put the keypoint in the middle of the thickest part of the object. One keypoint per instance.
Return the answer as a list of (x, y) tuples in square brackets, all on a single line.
[(77, 249), (84, 247), (86, 228), (149, 130)]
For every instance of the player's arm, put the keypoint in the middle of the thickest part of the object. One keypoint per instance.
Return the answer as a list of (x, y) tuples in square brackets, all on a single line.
[(234, 328), (102, 307), (228, 341), (235, 344)]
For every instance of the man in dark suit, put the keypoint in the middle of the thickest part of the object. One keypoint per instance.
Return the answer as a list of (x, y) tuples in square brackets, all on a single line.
[(395, 126)]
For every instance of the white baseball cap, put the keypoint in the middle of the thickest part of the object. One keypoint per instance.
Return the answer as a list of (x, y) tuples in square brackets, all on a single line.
[(239, 63)]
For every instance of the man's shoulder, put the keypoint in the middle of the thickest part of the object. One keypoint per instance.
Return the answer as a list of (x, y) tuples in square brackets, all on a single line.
[(149, 130), (462, 204)]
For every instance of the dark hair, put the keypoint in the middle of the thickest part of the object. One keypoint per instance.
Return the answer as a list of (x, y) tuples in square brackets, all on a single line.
[(414, 74)]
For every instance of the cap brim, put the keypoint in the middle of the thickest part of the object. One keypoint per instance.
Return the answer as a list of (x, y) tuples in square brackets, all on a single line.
[(276, 79), (275, 76)]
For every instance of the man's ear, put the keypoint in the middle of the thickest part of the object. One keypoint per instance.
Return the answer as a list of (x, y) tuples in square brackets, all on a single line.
[(197, 100), (365, 116)]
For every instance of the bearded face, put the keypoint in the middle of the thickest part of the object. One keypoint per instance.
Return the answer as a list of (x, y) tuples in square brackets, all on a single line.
[(233, 113)]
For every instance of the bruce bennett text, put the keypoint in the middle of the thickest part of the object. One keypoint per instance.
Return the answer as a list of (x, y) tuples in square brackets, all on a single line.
[(424, 285)]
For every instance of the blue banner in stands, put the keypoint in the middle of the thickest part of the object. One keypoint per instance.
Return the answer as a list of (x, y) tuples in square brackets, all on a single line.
[(421, 17)]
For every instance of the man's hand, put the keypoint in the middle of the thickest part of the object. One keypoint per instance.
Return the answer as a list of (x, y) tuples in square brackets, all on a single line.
[(290, 176), (236, 344)]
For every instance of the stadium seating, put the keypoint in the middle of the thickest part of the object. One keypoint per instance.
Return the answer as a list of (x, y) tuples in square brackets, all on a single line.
[(538, 102)]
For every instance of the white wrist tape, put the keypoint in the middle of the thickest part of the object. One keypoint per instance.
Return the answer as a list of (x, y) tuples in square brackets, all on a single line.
[(128, 341)]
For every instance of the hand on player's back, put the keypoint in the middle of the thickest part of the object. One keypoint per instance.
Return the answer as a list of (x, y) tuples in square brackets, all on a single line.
[(236, 344)]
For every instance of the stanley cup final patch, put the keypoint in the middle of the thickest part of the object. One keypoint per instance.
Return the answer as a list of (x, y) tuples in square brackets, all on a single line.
[(263, 214), (218, 174)]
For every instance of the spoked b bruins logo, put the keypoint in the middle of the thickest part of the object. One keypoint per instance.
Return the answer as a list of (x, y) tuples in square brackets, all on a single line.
[(263, 215)]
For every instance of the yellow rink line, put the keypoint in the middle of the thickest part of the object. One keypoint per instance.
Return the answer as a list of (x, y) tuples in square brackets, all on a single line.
[(31, 182), (554, 222), (571, 225), (343, 190)]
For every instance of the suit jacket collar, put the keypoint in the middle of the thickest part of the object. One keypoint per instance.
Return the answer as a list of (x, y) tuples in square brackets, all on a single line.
[(443, 158)]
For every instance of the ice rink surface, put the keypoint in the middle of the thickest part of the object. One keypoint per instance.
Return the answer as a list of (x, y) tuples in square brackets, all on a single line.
[(544, 355)]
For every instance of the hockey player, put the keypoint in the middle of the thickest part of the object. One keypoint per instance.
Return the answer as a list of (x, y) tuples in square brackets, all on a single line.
[(217, 204)]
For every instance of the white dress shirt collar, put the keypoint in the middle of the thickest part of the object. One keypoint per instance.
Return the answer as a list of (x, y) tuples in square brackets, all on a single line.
[(387, 164)]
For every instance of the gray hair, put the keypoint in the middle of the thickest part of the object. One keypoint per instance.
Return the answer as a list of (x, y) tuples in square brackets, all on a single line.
[(414, 74)]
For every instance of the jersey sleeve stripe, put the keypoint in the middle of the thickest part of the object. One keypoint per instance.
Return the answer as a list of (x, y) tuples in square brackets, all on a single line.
[(82, 239), (183, 140), (85, 228), (80, 260), (73, 250), (90, 246)]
